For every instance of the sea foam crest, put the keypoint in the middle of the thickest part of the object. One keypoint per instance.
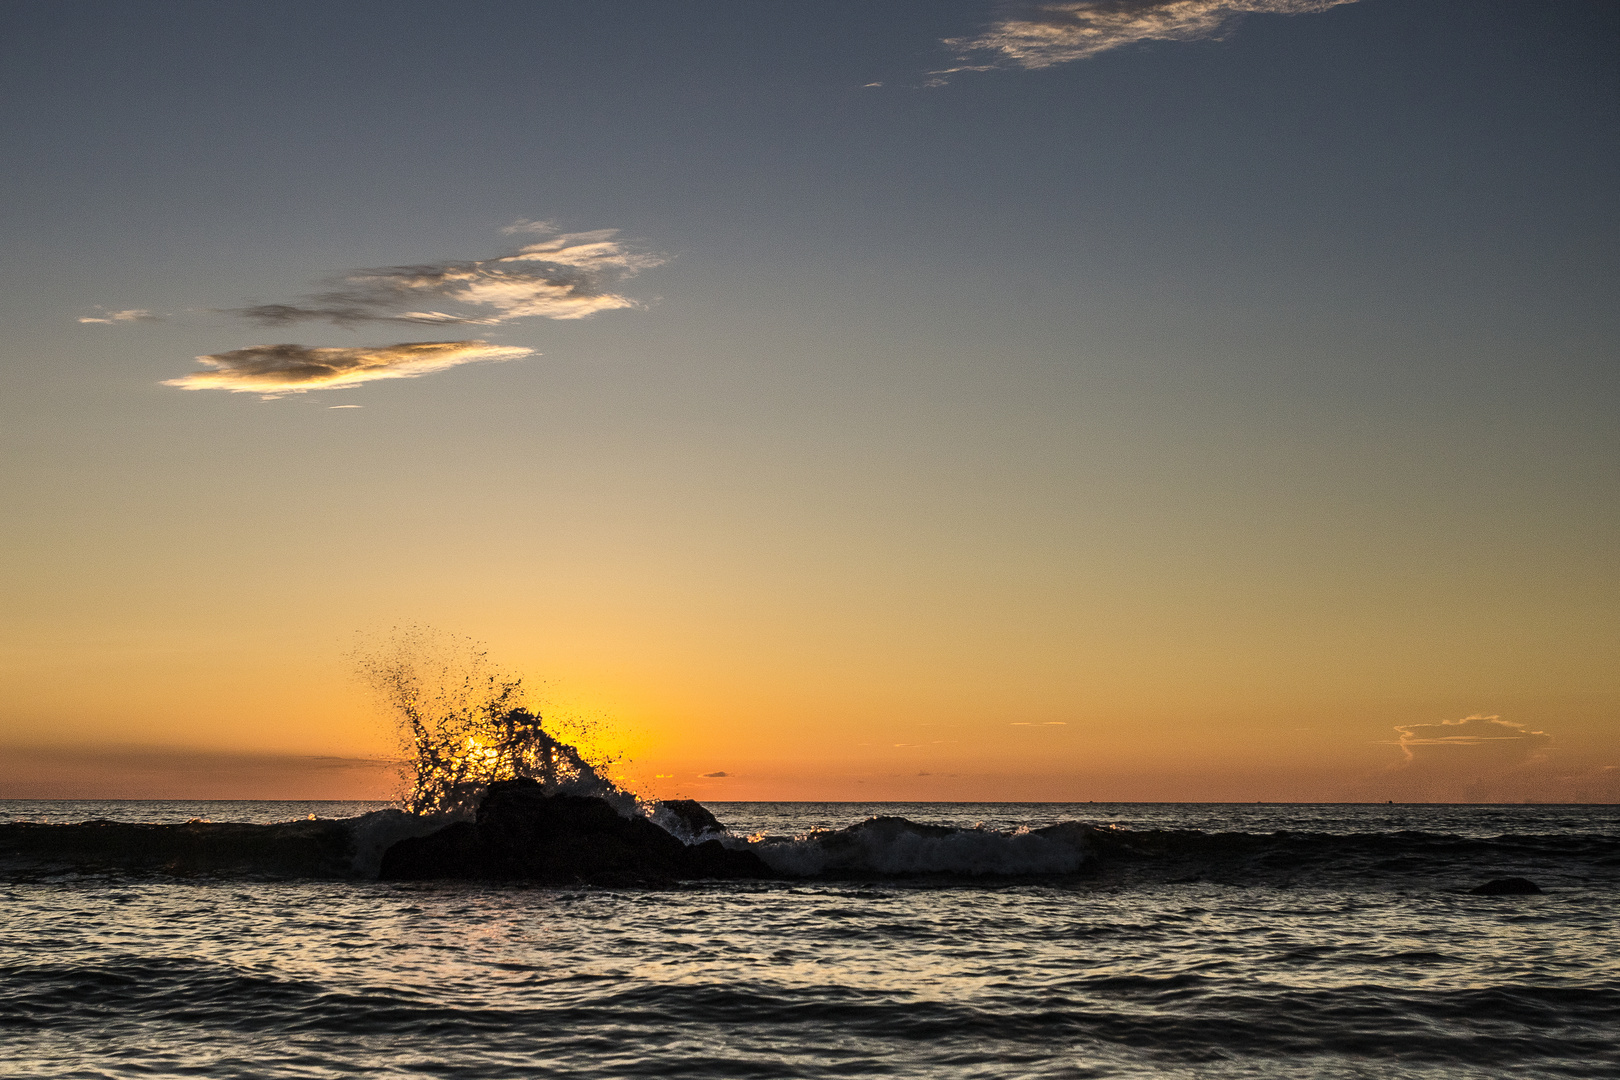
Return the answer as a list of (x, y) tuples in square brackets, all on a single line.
[(894, 845)]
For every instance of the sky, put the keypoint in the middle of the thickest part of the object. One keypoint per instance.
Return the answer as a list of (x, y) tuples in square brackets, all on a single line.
[(1126, 400)]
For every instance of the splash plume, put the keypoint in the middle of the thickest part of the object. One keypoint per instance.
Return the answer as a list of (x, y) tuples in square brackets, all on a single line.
[(464, 724)]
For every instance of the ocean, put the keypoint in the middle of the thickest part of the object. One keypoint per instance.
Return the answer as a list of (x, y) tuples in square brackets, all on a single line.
[(903, 940)]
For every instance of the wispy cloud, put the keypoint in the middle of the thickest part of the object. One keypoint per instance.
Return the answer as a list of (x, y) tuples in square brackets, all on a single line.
[(1484, 758), (563, 276), (556, 275), (1040, 35), (129, 315), (1472, 731), (274, 370)]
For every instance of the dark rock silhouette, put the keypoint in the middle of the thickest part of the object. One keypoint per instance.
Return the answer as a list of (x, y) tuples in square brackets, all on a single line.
[(1507, 886), (523, 834), (694, 815)]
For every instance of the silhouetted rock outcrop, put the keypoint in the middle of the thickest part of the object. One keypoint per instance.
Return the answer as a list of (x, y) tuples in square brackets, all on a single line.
[(1507, 886), (523, 834), (694, 815)]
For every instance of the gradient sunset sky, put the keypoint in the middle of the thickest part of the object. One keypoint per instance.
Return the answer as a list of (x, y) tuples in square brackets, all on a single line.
[(1209, 400)]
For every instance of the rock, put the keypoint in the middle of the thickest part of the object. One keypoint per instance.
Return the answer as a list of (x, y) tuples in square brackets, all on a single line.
[(534, 837), (455, 851), (1507, 886), (523, 834), (693, 816)]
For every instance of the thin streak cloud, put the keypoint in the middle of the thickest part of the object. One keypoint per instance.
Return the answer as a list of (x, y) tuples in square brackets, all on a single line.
[(129, 315), (1475, 730), (563, 276), (1034, 36), (273, 370)]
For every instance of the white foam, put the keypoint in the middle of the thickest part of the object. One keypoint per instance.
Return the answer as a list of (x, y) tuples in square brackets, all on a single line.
[(897, 846), (677, 826)]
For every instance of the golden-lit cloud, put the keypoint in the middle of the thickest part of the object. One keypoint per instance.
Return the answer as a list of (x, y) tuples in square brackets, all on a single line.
[(556, 276), (128, 315), (273, 370), (563, 276), (1040, 35)]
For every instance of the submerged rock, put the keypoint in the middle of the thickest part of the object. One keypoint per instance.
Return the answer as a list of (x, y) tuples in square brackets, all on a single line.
[(1507, 886), (523, 834)]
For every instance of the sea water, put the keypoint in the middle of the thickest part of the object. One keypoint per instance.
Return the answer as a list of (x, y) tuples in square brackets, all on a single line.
[(916, 940)]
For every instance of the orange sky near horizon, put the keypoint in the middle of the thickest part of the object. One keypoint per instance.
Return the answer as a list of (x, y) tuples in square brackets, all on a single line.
[(843, 721)]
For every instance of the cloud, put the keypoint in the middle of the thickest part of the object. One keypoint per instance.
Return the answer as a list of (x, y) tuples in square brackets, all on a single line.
[(1473, 731), (73, 771), (714, 775), (274, 370), (129, 315), (563, 276), (1488, 759), (1040, 35)]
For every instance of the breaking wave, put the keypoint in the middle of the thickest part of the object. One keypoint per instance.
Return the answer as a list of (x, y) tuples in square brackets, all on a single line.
[(328, 848), (896, 846), (354, 847), (880, 847)]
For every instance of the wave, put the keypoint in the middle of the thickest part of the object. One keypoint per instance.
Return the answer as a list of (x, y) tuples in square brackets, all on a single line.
[(880, 847), (894, 846), (327, 848)]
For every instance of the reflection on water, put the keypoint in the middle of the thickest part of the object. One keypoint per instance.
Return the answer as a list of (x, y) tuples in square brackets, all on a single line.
[(1089, 975)]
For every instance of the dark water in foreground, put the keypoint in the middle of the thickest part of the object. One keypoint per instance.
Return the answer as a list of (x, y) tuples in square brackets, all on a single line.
[(1192, 941)]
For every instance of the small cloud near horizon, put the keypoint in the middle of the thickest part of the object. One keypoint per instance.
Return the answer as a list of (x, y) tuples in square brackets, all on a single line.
[(1484, 758), (128, 315), (1032, 36), (273, 370), (1477, 730), (713, 775)]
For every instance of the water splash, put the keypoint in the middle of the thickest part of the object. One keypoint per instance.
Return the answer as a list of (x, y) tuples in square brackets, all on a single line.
[(465, 724)]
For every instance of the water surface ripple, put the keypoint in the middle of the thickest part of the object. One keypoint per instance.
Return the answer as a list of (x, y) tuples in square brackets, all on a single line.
[(1227, 967)]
